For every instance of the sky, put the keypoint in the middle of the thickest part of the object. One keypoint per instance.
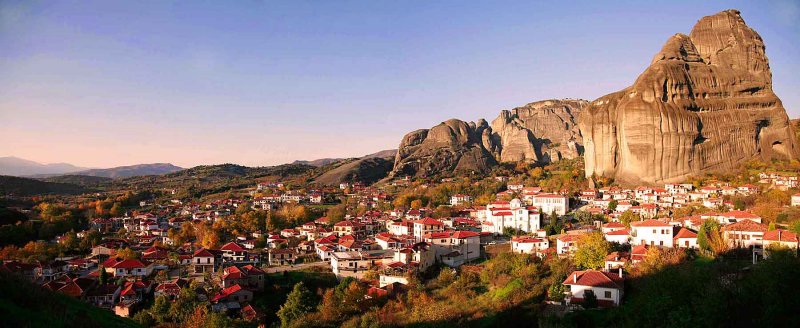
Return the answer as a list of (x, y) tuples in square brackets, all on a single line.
[(109, 83)]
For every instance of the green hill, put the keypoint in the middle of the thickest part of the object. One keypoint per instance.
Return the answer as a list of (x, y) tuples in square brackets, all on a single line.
[(24, 304), (27, 187)]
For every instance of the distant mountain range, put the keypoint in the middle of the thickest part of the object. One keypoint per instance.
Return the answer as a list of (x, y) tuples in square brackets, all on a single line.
[(14, 166)]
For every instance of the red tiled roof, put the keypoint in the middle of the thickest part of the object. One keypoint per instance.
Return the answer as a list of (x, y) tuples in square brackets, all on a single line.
[(650, 223), (621, 232), (129, 264), (746, 225), (740, 215), (226, 292), (233, 247), (685, 233), (595, 279), (781, 235), (461, 234), (202, 253), (429, 221)]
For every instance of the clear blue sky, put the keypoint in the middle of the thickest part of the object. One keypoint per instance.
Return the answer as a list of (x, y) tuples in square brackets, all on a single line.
[(110, 83)]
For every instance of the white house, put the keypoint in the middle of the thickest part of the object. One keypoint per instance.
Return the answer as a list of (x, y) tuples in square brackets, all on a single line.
[(744, 233), (796, 200), (685, 238), (549, 203), (651, 232), (501, 215), (356, 263), (607, 287), (528, 245), (567, 244)]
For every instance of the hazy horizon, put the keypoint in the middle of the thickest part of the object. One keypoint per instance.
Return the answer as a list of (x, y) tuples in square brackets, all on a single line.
[(104, 84)]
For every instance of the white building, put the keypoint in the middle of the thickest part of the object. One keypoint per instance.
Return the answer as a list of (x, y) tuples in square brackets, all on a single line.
[(607, 287), (528, 245), (549, 203), (356, 263), (511, 214), (651, 232), (796, 200)]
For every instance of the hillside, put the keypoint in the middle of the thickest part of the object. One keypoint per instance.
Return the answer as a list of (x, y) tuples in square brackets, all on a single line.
[(23, 304), (365, 170), (209, 179), (27, 187), (80, 180), (131, 170)]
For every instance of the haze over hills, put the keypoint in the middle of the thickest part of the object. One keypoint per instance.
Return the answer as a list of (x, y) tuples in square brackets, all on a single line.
[(132, 170), (16, 166)]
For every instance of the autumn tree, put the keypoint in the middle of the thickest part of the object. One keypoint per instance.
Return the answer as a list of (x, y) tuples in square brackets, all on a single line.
[(592, 251), (127, 253), (627, 217)]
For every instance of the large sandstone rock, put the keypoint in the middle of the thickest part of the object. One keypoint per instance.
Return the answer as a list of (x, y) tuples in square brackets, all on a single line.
[(705, 103), (450, 147), (541, 132)]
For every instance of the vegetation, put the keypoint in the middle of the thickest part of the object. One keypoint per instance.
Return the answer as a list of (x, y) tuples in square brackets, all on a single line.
[(24, 304)]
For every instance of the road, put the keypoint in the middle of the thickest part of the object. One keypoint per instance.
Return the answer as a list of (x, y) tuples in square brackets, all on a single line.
[(296, 267)]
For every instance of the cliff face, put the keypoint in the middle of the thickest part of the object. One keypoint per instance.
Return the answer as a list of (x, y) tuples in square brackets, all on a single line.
[(542, 132), (704, 103)]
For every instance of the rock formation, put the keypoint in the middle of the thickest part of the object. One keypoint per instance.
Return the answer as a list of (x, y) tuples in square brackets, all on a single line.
[(705, 103), (540, 132), (543, 131)]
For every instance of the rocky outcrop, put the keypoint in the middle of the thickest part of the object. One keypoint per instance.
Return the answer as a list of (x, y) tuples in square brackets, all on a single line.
[(705, 103), (543, 131), (452, 146), (540, 132)]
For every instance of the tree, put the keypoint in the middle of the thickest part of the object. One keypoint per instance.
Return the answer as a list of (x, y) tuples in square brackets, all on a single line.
[(160, 309), (299, 302), (627, 217), (795, 227), (612, 205), (103, 279), (771, 226), (127, 253), (416, 204), (143, 318), (556, 292), (116, 210), (592, 251), (589, 299), (705, 232)]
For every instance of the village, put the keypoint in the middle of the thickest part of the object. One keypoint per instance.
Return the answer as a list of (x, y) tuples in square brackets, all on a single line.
[(141, 255)]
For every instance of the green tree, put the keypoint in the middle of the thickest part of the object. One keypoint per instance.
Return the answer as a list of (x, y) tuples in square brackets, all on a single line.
[(556, 292), (103, 279), (160, 309), (612, 205), (707, 230), (117, 210), (592, 251), (299, 302)]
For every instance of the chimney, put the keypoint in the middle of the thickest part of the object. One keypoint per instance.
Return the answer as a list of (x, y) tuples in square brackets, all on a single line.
[(620, 272), (574, 278)]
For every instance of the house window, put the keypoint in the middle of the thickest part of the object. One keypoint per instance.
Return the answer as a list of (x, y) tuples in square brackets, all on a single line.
[(608, 294)]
